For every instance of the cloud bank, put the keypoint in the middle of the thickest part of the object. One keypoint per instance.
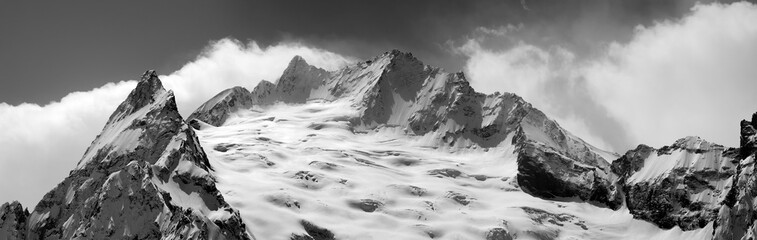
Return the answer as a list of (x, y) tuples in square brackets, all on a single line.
[(691, 76), (40, 144)]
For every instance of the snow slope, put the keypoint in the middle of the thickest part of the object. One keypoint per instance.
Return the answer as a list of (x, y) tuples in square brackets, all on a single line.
[(283, 164), (396, 90)]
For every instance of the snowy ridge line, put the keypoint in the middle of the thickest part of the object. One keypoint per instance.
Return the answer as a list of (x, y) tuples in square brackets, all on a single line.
[(396, 94), (144, 177)]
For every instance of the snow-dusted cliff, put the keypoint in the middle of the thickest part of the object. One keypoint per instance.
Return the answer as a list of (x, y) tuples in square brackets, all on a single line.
[(682, 184), (144, 177)]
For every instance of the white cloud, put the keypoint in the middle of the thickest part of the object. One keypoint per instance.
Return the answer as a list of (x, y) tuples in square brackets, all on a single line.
[(228, 63), (693, 76), (41, 144)]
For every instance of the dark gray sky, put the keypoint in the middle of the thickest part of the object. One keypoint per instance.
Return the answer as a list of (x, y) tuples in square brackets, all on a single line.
[(49, 49)]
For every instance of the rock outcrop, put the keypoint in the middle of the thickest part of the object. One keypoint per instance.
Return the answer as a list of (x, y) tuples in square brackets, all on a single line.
[(13, 219), (693, 183), (216, 110), (678, 185), (144, 177), (736, 217)]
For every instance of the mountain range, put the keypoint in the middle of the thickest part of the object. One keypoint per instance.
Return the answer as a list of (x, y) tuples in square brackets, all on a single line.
[(387, 148)]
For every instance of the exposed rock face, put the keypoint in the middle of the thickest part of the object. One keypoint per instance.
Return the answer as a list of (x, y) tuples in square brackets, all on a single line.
[(13, 219), (748, 136), (313, 232), (678, 185), (397, 90), (216, 110), (736, 218), (295, 85), (144, 177), (546, 173), (631, 162), (498, 234), (552, 163)]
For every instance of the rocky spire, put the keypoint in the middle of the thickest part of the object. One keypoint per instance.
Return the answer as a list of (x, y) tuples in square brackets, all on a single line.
[(144, 177), (748, 138), (736, 218), (297, 81), (13, 219)]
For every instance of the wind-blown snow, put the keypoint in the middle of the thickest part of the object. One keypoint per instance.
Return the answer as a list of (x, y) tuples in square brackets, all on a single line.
[(304, 162)]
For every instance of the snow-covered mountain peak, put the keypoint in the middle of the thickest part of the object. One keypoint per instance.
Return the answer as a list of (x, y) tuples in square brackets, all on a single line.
[(695, 144), (398, 56), (149, 90), (298, 62), (149, 103), (144, 177), (298, 80), (297, 66), (397, 92)]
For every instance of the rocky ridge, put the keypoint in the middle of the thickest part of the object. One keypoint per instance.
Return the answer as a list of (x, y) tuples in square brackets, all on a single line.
[(687, 184), (216, 110), (736, 217), (13, 219), (678, 185), (144, 177), (693, 183), (397, 90)]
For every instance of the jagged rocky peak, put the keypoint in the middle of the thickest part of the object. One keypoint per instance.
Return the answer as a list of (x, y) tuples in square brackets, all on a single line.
[(144, 177), (149, 104), (148, 90), (748, 139), (678, 185), (397, 90), (737, 218), (13, 219), (298, 67), (263, 93), (405, 69), (297, 81), (216, 110)]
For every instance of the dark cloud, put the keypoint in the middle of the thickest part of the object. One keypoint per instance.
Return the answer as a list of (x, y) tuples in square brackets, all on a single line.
[(50, 49)]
